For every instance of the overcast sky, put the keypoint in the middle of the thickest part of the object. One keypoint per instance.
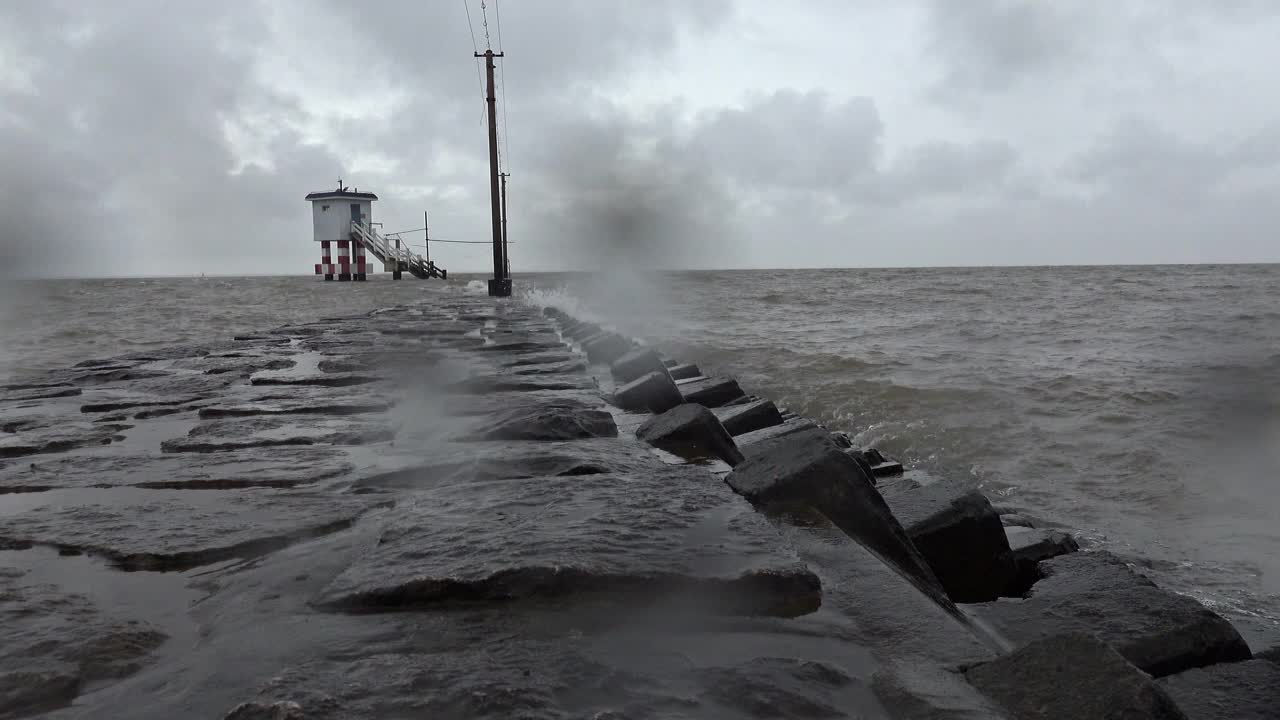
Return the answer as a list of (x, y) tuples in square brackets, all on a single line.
[(142, 137)]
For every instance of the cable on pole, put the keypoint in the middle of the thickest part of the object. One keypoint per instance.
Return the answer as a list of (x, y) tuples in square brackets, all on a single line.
[(476, 49)]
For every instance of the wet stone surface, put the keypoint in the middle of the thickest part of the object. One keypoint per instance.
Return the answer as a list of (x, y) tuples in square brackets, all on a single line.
[(143, 529), (435, 510), (57, 642), (272, 467), (250, 432), (669, 537)]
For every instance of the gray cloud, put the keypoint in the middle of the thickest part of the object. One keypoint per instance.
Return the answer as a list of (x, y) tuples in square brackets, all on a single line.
[(153, 138)]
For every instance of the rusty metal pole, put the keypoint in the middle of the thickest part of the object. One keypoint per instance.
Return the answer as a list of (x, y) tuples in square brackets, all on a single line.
[(506, 259), (499, 286)]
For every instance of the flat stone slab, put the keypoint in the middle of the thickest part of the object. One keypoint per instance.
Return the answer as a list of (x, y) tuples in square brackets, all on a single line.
[(1248, 690), (1071, 677), (330, 380), (960, 535), (525, 675), (712, 392), (47, 392), (179, 530), (241, 365), (1160, 632), (486, 384), (135, 402), (56, 643), (547, 422), (551, 358), (251, 432), (333, 406), (573, 367), (269, 467), (483, 461), (676, 537), (755, 415), (38, 435)]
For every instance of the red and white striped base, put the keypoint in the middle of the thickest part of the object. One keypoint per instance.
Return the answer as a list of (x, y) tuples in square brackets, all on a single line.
[(351, 263)]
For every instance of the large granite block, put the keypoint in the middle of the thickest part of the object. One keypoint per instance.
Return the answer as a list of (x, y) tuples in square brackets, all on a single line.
[(755, 415), (712, 392), (654, 392), (1071, 677), (1159, 631), (692, 432), (808, 469), (675, 537), (959, 533)]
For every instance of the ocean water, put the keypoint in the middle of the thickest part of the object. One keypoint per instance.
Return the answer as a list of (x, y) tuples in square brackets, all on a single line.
[(1138, 407)]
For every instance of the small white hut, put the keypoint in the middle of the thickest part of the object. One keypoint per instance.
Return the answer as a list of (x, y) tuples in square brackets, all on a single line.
[(332, 213)]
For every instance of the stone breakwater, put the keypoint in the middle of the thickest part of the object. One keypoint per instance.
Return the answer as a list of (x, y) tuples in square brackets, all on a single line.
[(468, 508)]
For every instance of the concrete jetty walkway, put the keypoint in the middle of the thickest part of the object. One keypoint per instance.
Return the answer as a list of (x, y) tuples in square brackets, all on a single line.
[(470, 508)]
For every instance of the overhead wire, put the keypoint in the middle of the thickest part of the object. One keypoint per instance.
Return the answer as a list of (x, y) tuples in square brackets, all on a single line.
[(502, 80), (466, 5)]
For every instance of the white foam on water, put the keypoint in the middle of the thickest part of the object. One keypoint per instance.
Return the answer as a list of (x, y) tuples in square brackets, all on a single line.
[(559, 298)]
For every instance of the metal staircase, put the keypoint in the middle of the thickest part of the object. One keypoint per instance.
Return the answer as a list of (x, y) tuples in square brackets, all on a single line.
[(393, 257)]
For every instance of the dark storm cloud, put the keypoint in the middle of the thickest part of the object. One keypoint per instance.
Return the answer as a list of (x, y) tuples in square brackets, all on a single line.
[(147, 137), (117, 160)]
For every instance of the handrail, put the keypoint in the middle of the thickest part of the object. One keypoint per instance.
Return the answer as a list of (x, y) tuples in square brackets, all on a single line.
[(384, 250)]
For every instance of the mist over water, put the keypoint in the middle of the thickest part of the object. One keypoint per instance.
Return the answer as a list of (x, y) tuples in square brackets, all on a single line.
[(1137, 406)]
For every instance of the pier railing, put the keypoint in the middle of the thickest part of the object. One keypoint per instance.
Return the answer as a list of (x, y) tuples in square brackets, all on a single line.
[(394, 257)]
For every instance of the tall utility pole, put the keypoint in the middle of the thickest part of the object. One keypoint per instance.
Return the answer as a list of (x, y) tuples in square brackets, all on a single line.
[(506, 259), (426, 238), (500, 285)]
